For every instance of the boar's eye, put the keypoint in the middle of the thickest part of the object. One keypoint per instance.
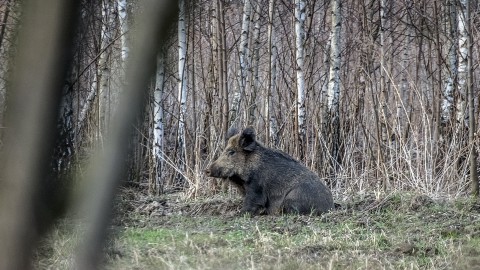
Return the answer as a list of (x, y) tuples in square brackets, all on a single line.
[(230, 152)]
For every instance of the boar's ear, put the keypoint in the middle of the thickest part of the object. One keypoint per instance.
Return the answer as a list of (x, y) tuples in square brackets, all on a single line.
[(230, 133), (247, 139)]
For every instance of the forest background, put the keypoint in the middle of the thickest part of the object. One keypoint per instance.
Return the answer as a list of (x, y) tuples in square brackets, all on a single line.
[(368, 94)]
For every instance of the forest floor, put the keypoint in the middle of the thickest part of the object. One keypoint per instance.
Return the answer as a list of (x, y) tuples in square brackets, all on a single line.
[(396, 231)]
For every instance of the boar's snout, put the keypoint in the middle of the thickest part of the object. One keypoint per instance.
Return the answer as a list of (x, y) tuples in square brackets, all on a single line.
[(217, 171), (212, 171)]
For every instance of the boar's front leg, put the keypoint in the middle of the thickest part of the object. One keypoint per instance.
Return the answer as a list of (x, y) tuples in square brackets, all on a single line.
[(255, 200), (239, 183)]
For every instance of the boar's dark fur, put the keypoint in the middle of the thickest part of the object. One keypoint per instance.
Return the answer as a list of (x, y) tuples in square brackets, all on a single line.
[(274, 182)]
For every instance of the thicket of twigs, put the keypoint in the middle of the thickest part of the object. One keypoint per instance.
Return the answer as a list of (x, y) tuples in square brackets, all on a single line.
[(391, 132)]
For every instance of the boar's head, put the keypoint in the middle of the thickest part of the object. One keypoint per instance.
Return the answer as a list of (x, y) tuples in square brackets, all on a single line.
[(235, 159)]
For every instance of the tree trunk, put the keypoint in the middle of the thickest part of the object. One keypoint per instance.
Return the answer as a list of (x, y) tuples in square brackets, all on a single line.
[(123, 21), (182, 90), (384, 96), (3, 25), (243, 69), (471, 104), (63, 152), (270, 125), (462, 67), (222, 64), (333, 92), (450, 82), (404, 108), (86, 107), (255, 63), (299, 57), (158, 129), (213, 86)]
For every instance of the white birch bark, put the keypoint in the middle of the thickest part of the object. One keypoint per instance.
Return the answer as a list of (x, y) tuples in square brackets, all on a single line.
[(123, 21), (87, 105), (242, 72), (255, 83), (299, 55), (448, 91), (333, 88), (182, 83), (333, 92), (462, 64), (158, 129)]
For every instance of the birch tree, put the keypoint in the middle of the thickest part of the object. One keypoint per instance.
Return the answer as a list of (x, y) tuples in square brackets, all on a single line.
[(333, 92), (452, 45), (158, 129), (300, 76), (86, 106), (89, 50), (255, 62), (123, 22), (462, 65), (243, 68), (182, 85)]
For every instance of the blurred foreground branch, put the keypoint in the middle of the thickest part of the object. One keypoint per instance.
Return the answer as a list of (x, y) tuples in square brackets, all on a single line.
[(107, 167), (40, 64)]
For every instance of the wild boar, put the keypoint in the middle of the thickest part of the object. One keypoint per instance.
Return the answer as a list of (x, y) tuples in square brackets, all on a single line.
[(274, 182)]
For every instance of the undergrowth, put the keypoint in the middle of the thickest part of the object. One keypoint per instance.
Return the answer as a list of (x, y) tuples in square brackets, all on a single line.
[(396, 231)]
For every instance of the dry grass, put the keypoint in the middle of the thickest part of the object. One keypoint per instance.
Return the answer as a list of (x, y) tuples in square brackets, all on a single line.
[(396, 231)]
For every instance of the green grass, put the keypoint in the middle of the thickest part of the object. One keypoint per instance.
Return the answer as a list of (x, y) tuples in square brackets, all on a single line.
[(365, 234)]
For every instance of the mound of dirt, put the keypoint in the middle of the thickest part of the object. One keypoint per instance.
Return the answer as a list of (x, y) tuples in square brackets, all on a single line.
[(132, 202), (136, 205), (420, 201), (212, 207)]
